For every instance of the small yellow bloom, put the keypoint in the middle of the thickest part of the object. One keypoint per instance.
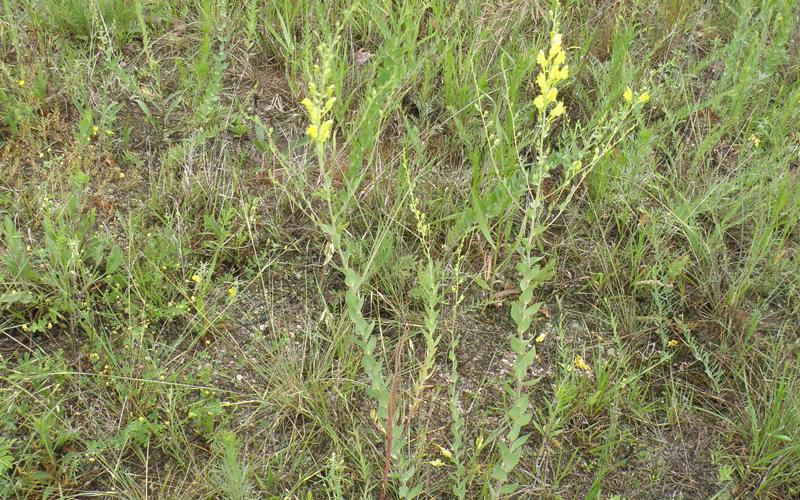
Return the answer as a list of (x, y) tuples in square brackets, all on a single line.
[(558, 110), (643, 98), (231, 292), (25, 327), (540, 338), (21, 83), (311, 132), (541, 81), (196, 278), (541, 59), (95, 129), (672, 343), (627, 95), (580, 364), (539, 102), (437, 463), (445, 452), (755, 140)]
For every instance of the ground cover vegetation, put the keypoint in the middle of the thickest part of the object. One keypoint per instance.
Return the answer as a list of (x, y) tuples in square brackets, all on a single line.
[(380, 249)]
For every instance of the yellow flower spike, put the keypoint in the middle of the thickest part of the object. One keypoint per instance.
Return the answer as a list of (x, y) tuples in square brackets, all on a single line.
[(558, 110), (560, 58), (627, 95), (551, 95), (564, 72), (580, 364), (643, 98)]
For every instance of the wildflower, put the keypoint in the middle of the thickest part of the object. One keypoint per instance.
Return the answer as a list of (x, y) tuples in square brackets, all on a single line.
[(231, 292), (643, 98), (196, 278), (437, 463), (540, 338), (580, 364), (21, 83), (552, 72), (672, 343), (319, 103), (25, 327), (95, 129), (755, 140), (445, 452), (627, 95)]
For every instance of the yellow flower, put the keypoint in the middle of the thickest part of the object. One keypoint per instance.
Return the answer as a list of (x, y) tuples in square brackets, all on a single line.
[(539, 102), (627, 95), (196, 278), (445, 452), (755, 140), (311, 131), (437, 463), (672, 343), (21, 83), (541, 59), (541, 81), (540, 338), (25, 327), (231, 292), (95, 129), (643, 98), (558, 110), (580, 364)]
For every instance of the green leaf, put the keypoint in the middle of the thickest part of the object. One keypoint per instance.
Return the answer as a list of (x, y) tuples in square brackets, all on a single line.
[(17, 298), (114, 259)]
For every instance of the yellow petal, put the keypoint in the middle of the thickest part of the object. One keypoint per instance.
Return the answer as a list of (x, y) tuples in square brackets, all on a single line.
[(628, 94), (558, 110), (311, 131), (540, 338), (580, 364), (541, 81), (325, 130), (539, 102), (308, 105), (643, 98), (541, 59)]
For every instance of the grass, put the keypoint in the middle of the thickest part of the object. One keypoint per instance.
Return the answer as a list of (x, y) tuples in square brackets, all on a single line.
[(305, 249)]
